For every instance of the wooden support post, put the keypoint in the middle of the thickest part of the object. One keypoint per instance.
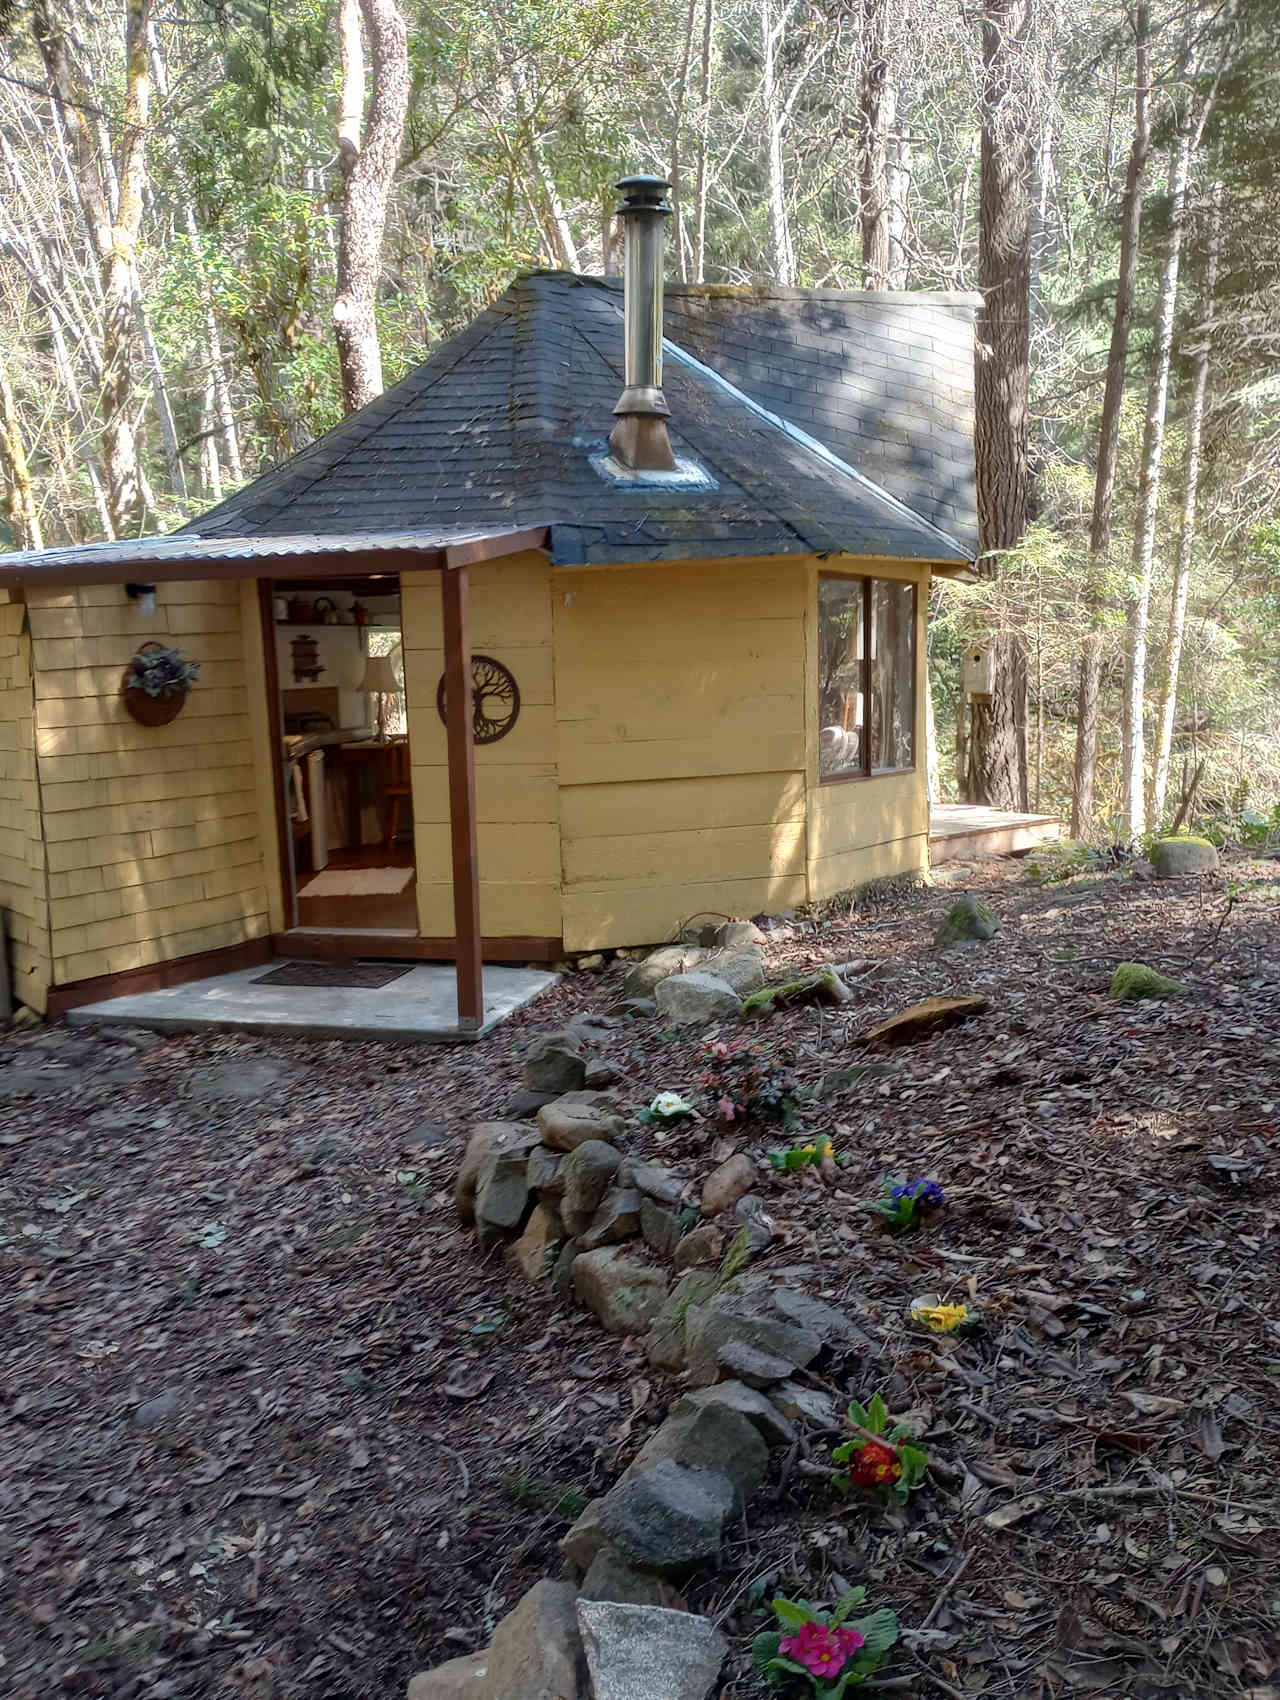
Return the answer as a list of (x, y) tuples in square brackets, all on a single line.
[(455, 599)]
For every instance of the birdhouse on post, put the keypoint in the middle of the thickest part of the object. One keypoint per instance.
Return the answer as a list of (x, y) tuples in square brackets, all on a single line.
[(979, 670)]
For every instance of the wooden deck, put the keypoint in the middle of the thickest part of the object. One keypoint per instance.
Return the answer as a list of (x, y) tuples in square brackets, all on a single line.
[(958, 831)]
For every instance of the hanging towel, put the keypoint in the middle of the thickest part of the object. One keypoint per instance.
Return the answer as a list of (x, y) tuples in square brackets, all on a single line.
[(299, 792)]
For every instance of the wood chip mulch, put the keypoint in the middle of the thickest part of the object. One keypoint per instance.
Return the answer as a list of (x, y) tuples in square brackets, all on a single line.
[(270, 1427)]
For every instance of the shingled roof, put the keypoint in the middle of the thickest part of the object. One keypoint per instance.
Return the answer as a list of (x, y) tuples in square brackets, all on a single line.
[(822, 422)]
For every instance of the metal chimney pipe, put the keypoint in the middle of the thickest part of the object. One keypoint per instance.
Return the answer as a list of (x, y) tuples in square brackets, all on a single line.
[(639, 439)]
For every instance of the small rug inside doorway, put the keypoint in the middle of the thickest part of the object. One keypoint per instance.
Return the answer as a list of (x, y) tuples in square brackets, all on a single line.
[(357, 882), (353, 976)]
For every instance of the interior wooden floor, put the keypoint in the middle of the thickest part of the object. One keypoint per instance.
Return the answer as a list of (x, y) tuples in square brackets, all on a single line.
[(364, 914)]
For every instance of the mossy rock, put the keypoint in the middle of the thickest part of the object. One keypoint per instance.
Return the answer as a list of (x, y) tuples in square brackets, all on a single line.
[(1174, 857), (967, 920), (825, 986), (1134, 980)]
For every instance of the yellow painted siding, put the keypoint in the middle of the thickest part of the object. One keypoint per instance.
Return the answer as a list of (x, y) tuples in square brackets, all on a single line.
[(23, 875), (866, 829), (681, 720), (518, 832), (154, 836)]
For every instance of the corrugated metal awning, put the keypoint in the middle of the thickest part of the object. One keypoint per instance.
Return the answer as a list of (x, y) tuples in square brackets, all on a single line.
[(160, 559)]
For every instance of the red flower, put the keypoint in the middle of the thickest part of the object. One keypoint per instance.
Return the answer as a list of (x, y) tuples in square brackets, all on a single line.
[(875, 1465), (822, 1652)]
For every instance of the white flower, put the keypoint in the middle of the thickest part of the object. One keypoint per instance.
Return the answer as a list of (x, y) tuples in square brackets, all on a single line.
[(670, 1104)]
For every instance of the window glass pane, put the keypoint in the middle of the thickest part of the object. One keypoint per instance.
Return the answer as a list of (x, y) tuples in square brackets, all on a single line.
[(893, 697), (840, 699)]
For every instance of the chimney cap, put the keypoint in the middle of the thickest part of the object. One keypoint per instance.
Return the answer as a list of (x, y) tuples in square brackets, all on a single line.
[(642, 193)]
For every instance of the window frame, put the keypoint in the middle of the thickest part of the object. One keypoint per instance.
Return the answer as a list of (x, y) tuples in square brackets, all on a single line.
[(866, 771)]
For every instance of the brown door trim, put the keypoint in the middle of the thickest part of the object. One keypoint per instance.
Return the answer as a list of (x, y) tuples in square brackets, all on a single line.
[(274, 708)]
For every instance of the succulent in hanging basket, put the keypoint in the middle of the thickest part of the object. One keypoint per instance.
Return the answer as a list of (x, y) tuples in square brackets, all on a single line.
[(161, 672)]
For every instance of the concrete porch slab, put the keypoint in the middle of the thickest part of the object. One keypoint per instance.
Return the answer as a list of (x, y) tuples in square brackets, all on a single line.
[(419, 1006)]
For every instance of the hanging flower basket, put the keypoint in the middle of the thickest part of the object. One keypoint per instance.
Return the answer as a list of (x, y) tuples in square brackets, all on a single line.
[(156, 684)]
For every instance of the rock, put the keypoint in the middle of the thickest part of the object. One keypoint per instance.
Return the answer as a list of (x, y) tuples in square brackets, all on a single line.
[(694, 999), (554, 1063), (670, 1519), (833, 1326), (660, 1227), (657, 966), (923, 1019), (459, 1679), (244, 1081), (534, 1252), (562, 1273), (587, 1175), (738, 935), (751, 1365), (636, 1008), (427, 1136), (586, 1540), (1134, 981), (624, 1294), (656, 1182), (748, 1319), (665, 1345), (160, 1409), (536, 1652), (617, 1219), (591, 964), (741, 969), (612, 1577), (968, 918), (703, 1244), (751, 1214), (527, 1104), (600, 1074), (642, 1652), (564, 1126), (709, 1437), (768, 1420), (486, 1138), (724, 1186), (800, 1404), (825, 987), (546, 1174), (1174, 857), (503, 1199)]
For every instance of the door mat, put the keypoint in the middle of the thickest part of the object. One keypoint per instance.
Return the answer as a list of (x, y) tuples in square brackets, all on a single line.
[(345, 976), (357, 882)]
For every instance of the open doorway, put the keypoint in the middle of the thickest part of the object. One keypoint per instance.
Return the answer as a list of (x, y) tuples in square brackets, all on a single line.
[(347, 801)]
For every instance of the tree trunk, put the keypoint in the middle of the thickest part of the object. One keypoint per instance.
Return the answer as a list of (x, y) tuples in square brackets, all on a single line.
[(20, 501), (1144, 532), (677, 124), (1187, 533), (704, 125), (1086, 761), (159, 392), (221, 392), (113, 233), (368, 169), (877, 108), (781, 250), (998, 753), (899, 184)]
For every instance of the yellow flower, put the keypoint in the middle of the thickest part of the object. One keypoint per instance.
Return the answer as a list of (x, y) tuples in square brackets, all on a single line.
[(943, 1319), (828, 1149), (806, 1151)]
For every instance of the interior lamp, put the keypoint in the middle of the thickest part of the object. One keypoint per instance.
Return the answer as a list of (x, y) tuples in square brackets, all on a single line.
[(379, 680)]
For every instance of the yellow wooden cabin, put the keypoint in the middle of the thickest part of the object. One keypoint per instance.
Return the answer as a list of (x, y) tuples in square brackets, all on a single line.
[(681, 602)]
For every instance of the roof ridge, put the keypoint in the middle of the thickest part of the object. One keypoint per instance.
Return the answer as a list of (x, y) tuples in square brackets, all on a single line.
[(774, 291)]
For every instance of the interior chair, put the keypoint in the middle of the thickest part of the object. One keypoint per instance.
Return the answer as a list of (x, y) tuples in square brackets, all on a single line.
[(396, 788)]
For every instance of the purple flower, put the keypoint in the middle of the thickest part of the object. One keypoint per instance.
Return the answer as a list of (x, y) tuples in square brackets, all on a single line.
[(921, 1191)]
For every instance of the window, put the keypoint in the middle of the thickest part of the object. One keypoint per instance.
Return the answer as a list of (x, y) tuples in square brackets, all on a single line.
[(385, 640), (866, 676)]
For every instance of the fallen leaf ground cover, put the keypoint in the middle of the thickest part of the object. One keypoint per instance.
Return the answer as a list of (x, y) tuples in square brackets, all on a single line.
[(271, 1427)]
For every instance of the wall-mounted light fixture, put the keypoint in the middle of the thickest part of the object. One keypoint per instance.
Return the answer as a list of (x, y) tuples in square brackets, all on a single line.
[(144, 595)]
